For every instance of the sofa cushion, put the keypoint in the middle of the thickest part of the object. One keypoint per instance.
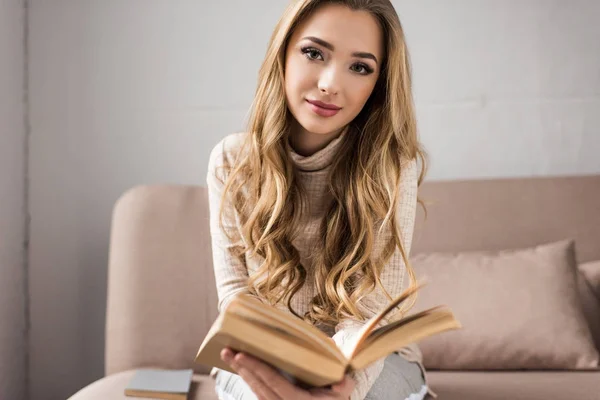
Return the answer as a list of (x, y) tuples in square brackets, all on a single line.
[(591, 270), (591, 306), (520, 309), (522, 385), (113, 387)]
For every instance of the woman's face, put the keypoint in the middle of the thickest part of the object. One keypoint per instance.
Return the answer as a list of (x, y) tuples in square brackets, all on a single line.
[(333, 57)]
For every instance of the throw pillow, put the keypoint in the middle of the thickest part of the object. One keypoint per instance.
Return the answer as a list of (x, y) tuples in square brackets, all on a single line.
[(520, 309), (591, 304), (591, 270)]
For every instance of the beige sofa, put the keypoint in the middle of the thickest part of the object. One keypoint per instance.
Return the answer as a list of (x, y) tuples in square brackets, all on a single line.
[(161, 296)]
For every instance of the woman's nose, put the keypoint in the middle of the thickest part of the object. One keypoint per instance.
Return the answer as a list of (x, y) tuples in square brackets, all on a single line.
[(329, 81)]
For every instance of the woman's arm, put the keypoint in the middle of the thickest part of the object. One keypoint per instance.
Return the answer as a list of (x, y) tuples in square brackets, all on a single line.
[(231, 273), (392, 278)]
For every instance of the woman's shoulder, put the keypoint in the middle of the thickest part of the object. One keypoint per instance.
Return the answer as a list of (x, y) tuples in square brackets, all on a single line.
[(226, 150), (409, 169), (409, 163)]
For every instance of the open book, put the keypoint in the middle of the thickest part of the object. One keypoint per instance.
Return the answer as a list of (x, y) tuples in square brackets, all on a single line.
[(307, 354)]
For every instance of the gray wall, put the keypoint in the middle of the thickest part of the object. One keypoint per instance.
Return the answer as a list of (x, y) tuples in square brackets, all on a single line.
[(126, 92), (12, 202)]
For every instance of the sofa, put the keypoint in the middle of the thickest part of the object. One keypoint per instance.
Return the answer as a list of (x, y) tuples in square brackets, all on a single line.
[(162, 300)]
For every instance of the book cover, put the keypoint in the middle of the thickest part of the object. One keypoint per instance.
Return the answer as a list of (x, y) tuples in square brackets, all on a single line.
[(160, 384)]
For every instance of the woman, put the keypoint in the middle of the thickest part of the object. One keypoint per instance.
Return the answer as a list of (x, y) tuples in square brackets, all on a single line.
[(312, 209)]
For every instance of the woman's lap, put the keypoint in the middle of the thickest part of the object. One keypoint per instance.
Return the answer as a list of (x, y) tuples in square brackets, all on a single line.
[(400, 379)]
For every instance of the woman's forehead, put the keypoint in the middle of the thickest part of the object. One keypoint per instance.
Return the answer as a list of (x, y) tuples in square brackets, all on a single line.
[(347, 30)]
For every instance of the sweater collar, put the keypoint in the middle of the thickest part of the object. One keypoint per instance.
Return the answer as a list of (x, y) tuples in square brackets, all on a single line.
[(321, 159)]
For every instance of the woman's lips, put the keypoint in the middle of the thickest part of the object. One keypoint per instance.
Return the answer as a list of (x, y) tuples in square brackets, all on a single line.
[(322, 111)]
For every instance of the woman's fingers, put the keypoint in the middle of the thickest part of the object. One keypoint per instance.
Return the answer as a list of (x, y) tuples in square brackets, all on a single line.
[(342, 390), (227, 355), (268, 384), (272, 379), (345, 387), (262, 391), (247, 368)]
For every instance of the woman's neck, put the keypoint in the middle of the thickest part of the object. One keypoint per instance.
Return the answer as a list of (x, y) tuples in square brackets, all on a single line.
[(307, 143)]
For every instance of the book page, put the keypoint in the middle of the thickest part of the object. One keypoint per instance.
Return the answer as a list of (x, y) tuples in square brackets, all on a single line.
[(401, 333), (273, 318), (394, 325), (352, 346)]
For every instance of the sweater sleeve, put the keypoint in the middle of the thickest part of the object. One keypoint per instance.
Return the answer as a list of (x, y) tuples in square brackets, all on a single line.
[(392, 278), (231, 273)]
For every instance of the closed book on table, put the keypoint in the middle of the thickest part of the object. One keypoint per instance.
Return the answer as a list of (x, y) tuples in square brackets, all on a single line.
[(160, 384)]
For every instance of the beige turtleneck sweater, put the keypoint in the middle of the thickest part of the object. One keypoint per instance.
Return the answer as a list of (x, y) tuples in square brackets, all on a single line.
[(231, 274)]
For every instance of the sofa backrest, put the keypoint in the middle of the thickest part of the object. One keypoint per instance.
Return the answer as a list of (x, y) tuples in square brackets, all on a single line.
[(499, 214), (161, 291)]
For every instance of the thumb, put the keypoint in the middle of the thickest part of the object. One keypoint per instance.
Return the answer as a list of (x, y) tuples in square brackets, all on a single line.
[(344, 386)]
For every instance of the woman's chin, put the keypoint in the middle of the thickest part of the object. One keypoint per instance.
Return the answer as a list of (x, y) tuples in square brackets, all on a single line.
[(321, 128)]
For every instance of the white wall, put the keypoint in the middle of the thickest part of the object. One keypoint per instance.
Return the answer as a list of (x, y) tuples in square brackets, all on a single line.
[(126, 92), (12, 203), (507, 88)]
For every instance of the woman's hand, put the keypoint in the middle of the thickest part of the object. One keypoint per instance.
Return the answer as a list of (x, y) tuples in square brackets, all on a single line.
[(268, 384)]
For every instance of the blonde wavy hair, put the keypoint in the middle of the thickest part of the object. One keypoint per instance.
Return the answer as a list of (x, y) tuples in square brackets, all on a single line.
[(263, 188)]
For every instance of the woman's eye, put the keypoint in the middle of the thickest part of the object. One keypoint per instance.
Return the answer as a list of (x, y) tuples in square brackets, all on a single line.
[(362, 69), (312, 53)]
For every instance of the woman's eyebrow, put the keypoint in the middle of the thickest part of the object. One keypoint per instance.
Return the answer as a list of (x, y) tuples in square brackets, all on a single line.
[(361, 54)]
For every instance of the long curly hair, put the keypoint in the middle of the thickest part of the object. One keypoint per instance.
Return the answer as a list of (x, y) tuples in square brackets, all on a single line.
[(263, 187)]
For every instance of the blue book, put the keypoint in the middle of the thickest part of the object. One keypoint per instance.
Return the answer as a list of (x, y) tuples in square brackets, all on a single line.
[(160, 384)]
